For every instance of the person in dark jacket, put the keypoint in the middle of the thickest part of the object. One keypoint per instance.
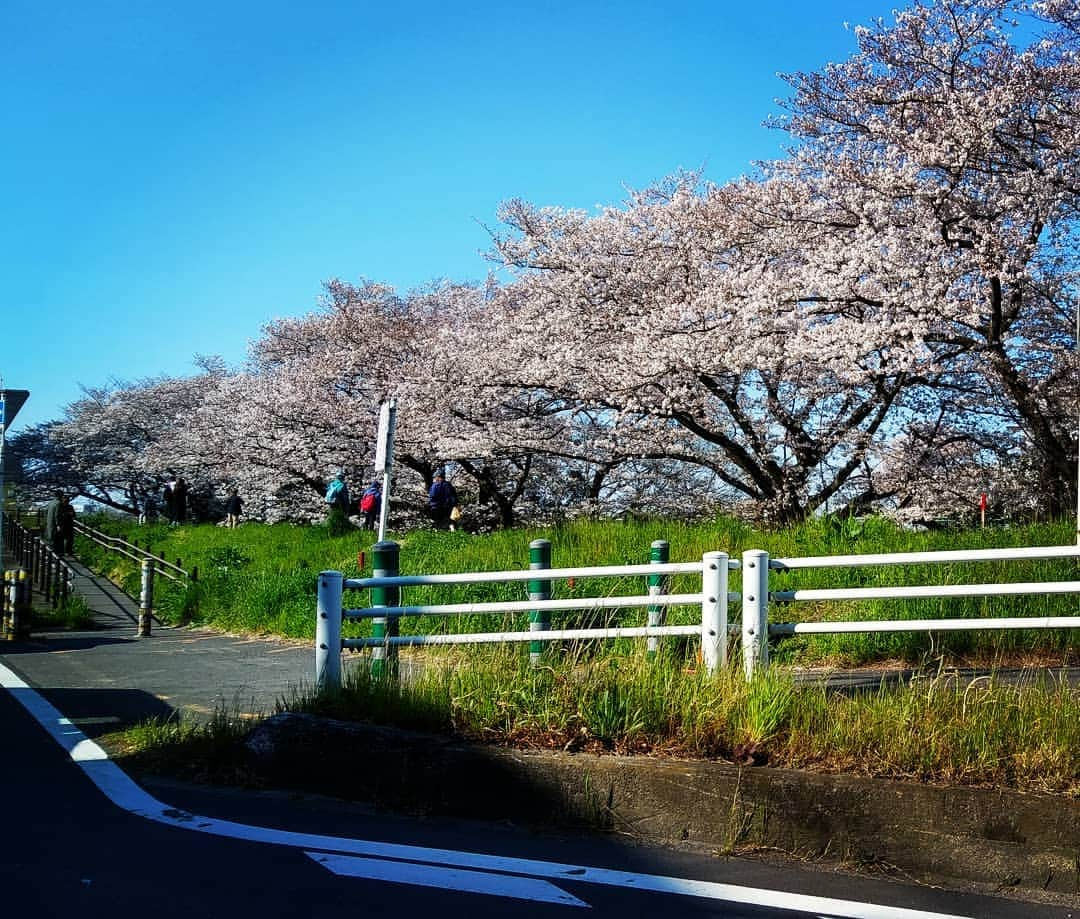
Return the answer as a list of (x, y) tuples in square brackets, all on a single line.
[(66, 526), (232, 509), (179, 501), (52, 522), (442, 499)]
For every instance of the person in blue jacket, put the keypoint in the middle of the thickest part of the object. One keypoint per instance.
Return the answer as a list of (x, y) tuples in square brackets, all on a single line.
[(442, 499)]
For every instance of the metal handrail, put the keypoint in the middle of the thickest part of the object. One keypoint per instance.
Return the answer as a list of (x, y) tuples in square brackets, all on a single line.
[(712, 629), (757, 597), (135, 553), (55, 588)]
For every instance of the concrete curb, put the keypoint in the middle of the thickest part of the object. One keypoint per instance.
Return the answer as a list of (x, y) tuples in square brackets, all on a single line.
[(990, 837)]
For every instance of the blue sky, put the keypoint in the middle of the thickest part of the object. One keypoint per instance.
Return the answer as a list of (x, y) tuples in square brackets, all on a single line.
[(175, 175)]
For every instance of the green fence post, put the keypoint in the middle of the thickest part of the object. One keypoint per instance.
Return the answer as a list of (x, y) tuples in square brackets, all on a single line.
[(385, 560), (659, 553), (539, 620)]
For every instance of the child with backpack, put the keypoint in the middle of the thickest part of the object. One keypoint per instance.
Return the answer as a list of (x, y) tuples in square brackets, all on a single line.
[(370, 504)]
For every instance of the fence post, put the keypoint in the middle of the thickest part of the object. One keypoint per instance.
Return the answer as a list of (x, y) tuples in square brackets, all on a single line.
[(52, 590), (19, 605), (755, 611), (659, 554), (7, 605), (539, 619), (328, 632), (714, 610), (385, 558), (146, 599)]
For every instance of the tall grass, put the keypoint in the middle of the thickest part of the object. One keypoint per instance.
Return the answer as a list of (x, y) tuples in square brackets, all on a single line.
[(943, 729)]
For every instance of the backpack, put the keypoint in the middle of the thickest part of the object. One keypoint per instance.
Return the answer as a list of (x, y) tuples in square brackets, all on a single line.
[(335, 492), (368, 501)]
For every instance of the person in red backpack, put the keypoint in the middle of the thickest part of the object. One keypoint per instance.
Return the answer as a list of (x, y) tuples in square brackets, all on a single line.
[(370, 503)]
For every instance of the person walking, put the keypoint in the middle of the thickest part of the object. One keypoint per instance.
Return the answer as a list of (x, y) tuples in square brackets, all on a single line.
[(337, 493), (66, 525), (370, 504), (442, 499), (337, 497), (52, 522), (179, 500), (168, 500), (232, 509)]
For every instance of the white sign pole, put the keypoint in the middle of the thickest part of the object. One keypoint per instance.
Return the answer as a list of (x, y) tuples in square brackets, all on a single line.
[(384, 458)]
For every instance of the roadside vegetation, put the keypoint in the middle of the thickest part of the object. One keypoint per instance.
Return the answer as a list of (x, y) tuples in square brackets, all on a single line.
[(1019, 726)]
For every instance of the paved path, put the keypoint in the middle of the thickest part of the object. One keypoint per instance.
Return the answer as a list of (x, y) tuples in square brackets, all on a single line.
[(106, 678)]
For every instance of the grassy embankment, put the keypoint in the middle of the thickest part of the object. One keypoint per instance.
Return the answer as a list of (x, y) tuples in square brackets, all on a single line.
[(940, 728)]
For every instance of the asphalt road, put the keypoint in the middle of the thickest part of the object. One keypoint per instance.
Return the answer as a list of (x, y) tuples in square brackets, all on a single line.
[(80, 839)]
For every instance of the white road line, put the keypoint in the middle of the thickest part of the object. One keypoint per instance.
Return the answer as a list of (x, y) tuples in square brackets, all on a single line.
[(499, 885), (123, 792)]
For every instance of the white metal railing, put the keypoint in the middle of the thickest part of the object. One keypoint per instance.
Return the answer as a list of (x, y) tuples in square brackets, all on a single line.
[(757, 596), (713, 600)]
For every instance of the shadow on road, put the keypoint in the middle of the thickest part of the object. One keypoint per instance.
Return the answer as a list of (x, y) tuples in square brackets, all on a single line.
[(103, 711)]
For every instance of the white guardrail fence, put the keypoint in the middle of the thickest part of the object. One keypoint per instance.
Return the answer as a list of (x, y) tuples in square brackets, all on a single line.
[(714, 599)]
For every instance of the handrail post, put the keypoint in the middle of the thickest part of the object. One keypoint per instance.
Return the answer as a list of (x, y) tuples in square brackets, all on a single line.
[(659, 554), (714, 610), (19, 605), (328, 632), (7, 605), (755, 611), (539, 620), (146, 599), (52, 590), (385, 561)]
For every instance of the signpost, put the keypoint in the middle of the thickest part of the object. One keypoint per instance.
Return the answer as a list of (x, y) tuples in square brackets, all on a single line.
[(11, 400), (384, 458)]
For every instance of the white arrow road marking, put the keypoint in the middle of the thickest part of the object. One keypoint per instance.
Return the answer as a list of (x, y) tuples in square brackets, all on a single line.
[(500, 885), (123, 792)]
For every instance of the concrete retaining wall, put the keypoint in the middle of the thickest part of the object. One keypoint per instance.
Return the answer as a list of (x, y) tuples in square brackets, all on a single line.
[(988, 836)]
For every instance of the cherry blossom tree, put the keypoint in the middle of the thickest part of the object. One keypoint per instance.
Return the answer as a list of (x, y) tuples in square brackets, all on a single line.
[(107, 447), (697, 322), (988, 130)]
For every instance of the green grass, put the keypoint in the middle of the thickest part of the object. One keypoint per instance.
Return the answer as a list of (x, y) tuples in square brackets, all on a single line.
[(210, 751), (261, 579), (72, 613), (940, 729)]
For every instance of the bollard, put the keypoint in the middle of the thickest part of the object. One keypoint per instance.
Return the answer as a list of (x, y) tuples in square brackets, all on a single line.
[(146, 599), (659, 553), (539, 620), (755, 611), (328, 632), (384, 564), (19, 605)]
